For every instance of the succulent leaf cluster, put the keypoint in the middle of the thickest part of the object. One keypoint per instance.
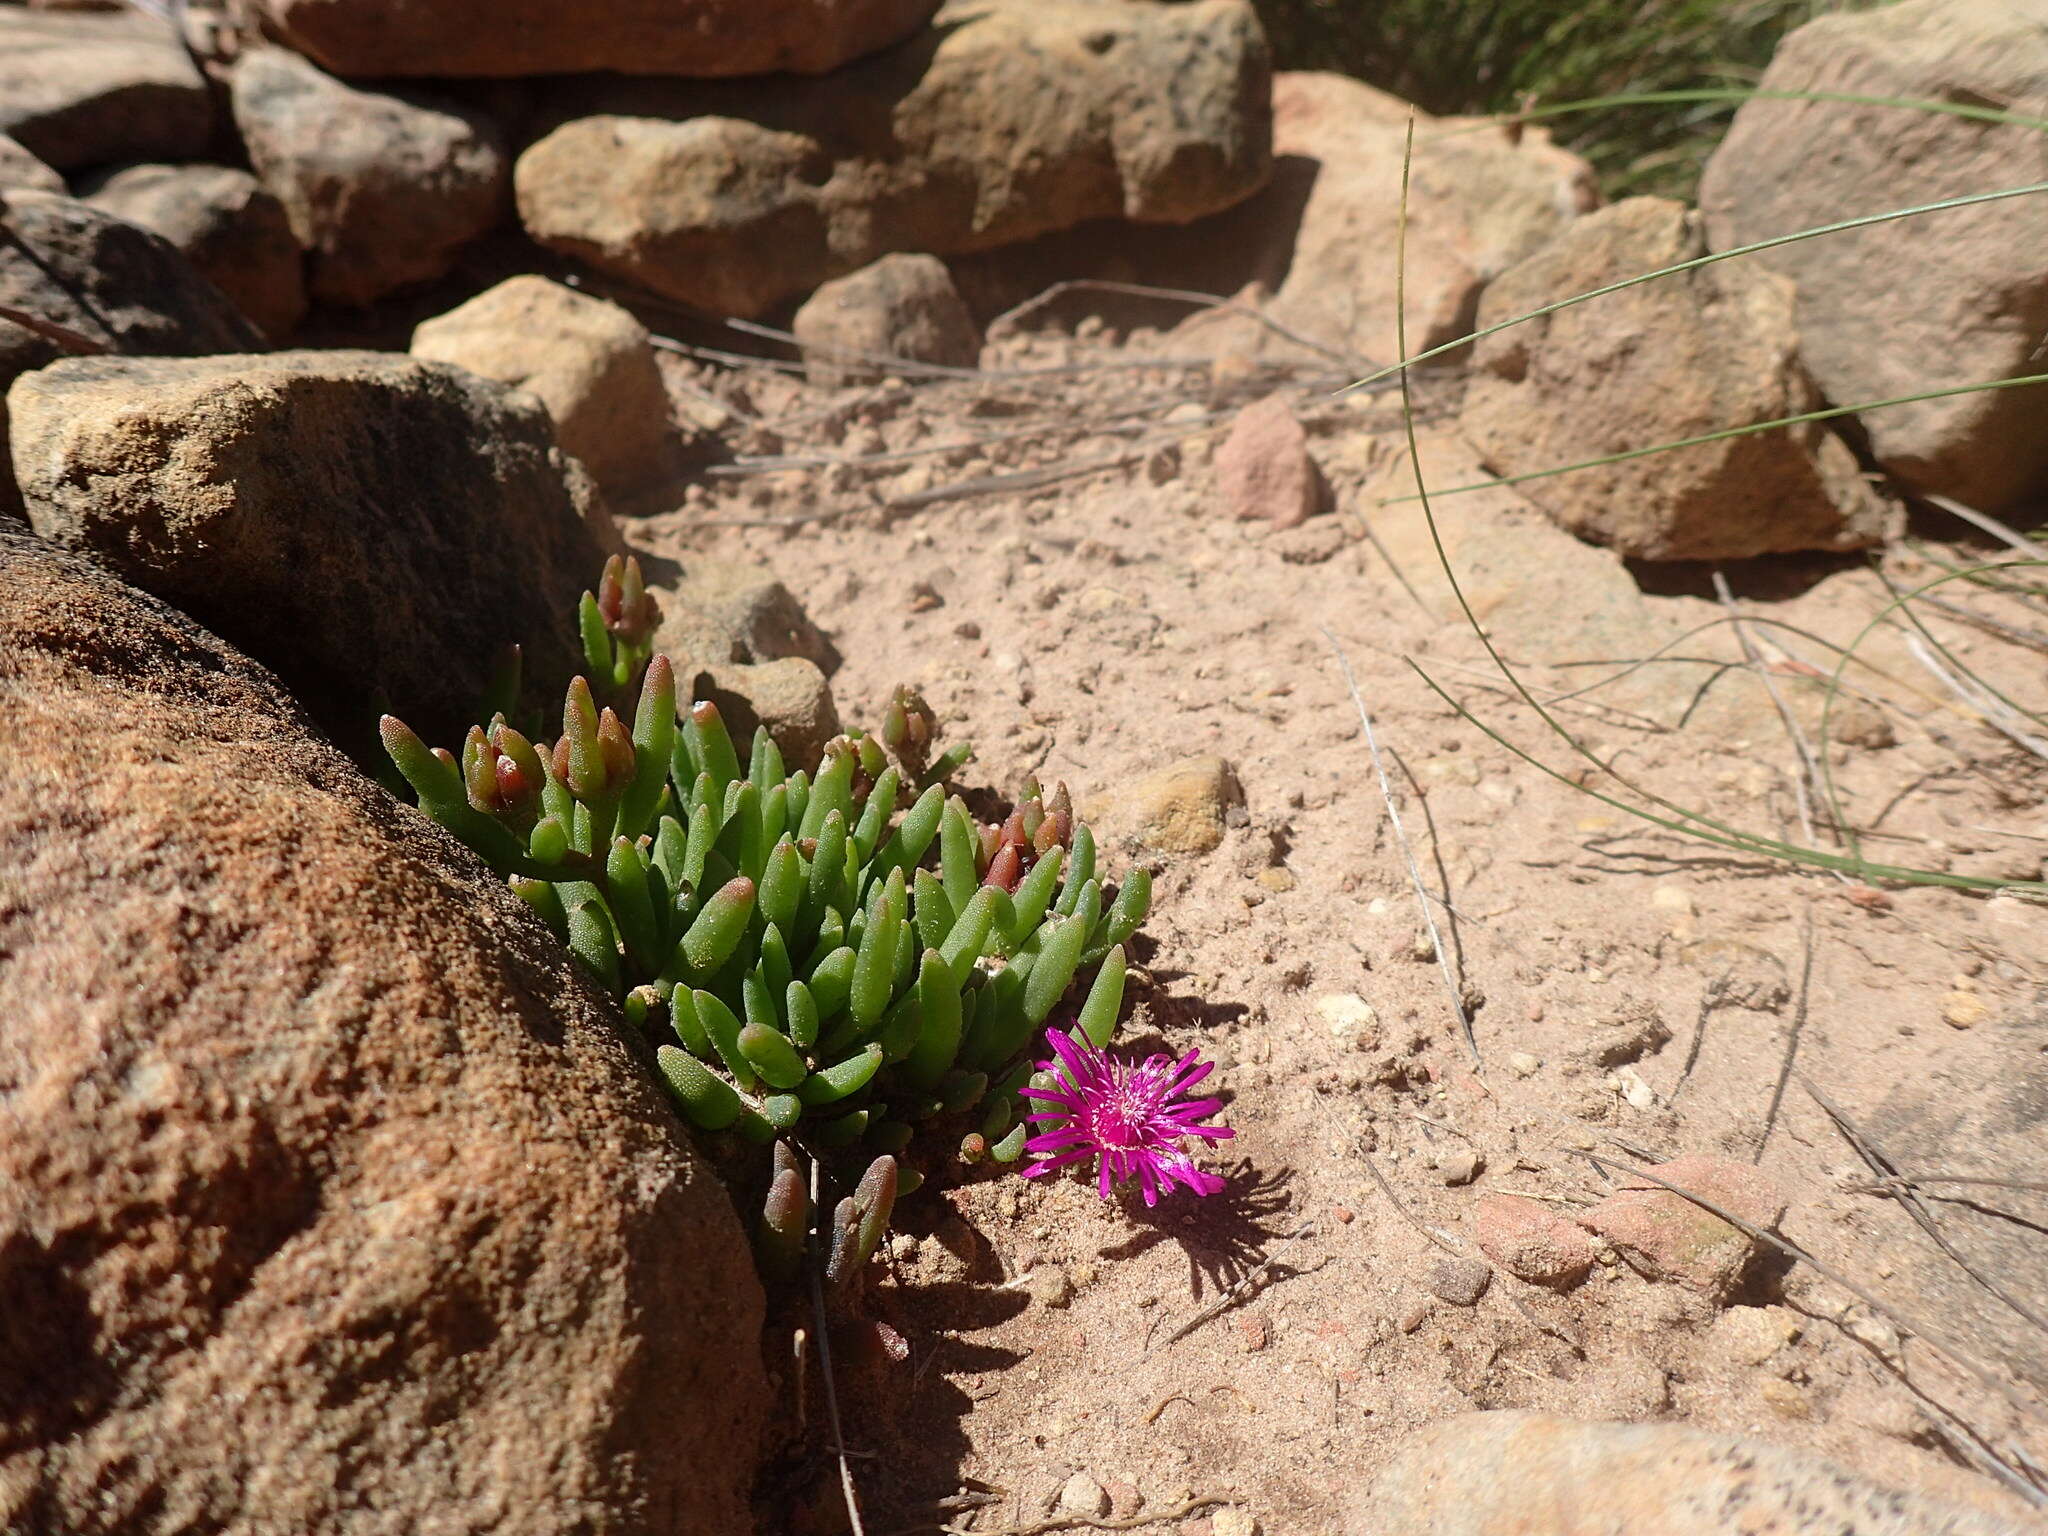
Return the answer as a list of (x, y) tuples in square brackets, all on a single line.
[(824, 960)]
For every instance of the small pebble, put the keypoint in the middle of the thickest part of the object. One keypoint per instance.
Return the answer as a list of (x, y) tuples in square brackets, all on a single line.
[(1232, 1521), (1083, 1496), (1461, 1166), (1963, 1010), (1414, 1317), (1343, 1214), (1255, 1331), (1522, 1064), (1461, 1282)]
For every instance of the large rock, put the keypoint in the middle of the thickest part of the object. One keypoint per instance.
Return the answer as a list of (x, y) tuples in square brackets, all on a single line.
[(117, 286), (383, 188), (23, 171), (332, 1196), (1933, 302), (1677, 358), (1673, 1238), (903, 306), (1484, 1474), (373, 527), (633, 37), (234, 233), (1008, 119), (1321, 240), (589, 362), (80, 89)]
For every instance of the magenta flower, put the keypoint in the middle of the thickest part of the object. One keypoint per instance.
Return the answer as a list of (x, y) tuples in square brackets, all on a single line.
[(1125, 1117)]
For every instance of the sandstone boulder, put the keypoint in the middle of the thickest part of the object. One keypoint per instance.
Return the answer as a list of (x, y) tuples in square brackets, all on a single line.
[(21, 170), (1009, 118), (234, 233), (1677, 358), (1940, 300), (82, 89), (373, 527), (903, 306), (1320, 241), (382, 187), (332, 1195), (589, 362), (1479, 1474), (499, 38)]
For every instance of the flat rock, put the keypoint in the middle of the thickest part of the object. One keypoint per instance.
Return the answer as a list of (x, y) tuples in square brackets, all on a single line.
[(1005, 120), (1179, 809), (236, 235), (1263, 468), (119, 286), (499, 38), (1667, 360), (1933, 302), (22, 170), (79, 89), (589, 362), (1671, 1238), (902, 306), (383, 188), (332, 1195), (1482, 1474), (1530, 1241), (373, 527), (1318, 244)]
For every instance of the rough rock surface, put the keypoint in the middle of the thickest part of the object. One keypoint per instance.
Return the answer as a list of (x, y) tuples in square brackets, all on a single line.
[(1678, 358), (1179, 809), (382, 187), (589, 362), (1530, 1241), (332, 1197), (1481, 1474), (23, 171), (234, 233), (1263, 467), (114, 284), (373, 527), (903, 306), (1320, 240), (79, 90), (1672, 1238), (1939, 300), (739, 638), (635, 37), (1005, 120)]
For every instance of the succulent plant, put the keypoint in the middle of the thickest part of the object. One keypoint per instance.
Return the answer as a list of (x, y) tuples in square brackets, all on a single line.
[(824, 961)]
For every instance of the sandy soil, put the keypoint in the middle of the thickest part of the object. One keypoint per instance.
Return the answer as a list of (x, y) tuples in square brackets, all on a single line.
[(1636, 994)]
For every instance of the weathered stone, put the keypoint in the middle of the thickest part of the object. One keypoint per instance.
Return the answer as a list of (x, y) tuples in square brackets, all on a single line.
[(1179, 809), (332, 1195), (1668, 360), (112, 283), (1320, 241), (21, 170), (499, 38), (1479, 1474), (374, 527), (1007, 119), (1937, 301), (589, 361), (1264, 469), (1672, 1238), (79, 90), (221, 220), (1461, 1282), (382, 187), (789, 695), (903, 306), (1530, 1241)]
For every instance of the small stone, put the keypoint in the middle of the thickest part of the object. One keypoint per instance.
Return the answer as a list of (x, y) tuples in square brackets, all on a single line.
[(1343, 1215), (1963, 1010), (1461, 1282), (1632, 1087), (1256, 1332), (1264, 468), (1670, 1237), (1049, 1285), (1522, 1064), (1351, 1019), (1530, 1241), (1232, 1521), (1786, 1400), (1461, 1166), (1752, 1335), (1083, 1497), (1275, 879), (1414, 1317), (1179, 809), (902, 306)]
